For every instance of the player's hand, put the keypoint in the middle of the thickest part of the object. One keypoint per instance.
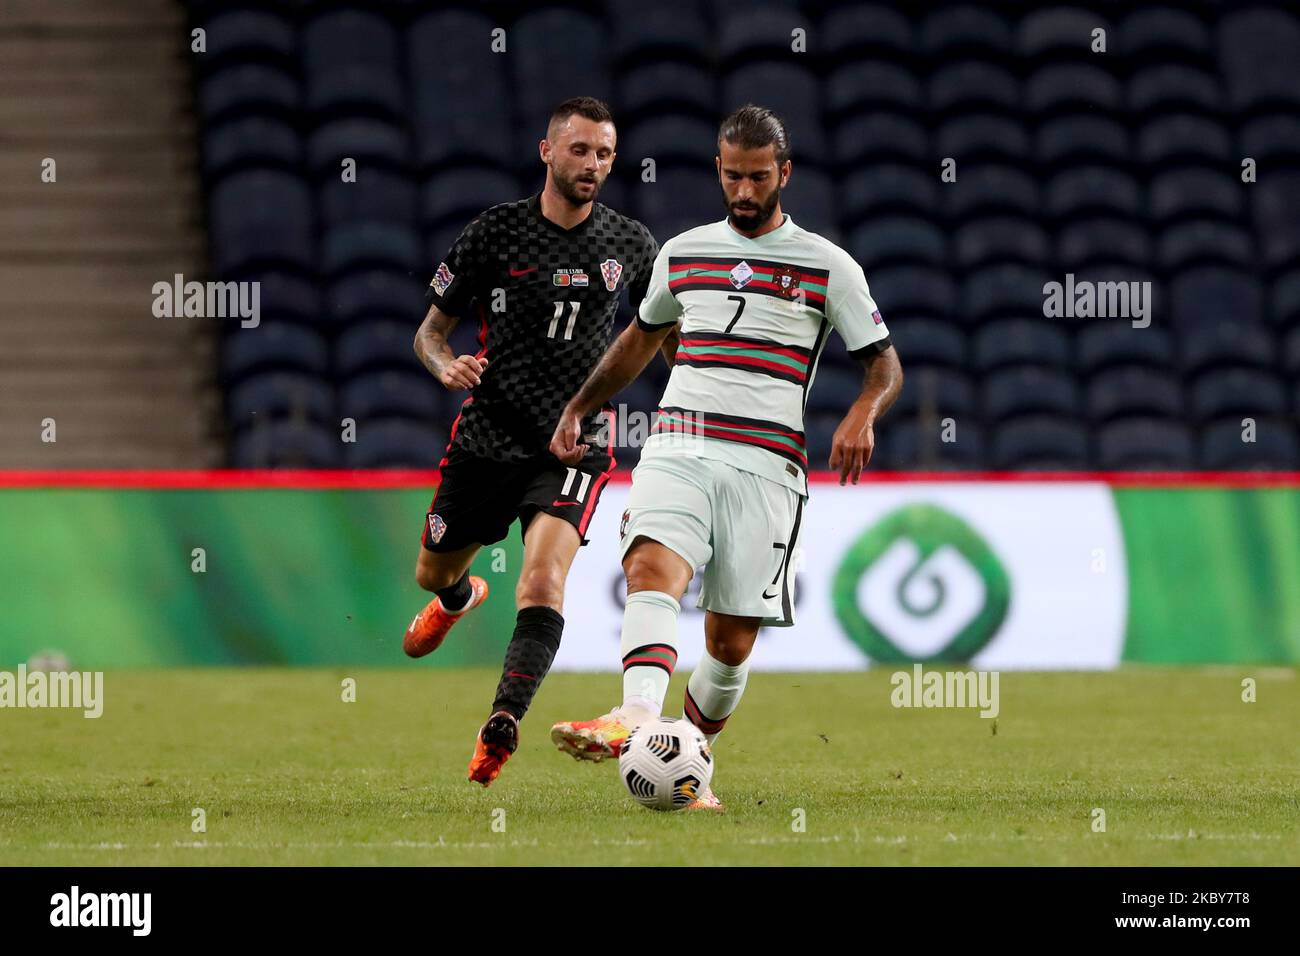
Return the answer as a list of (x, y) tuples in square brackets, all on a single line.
[(852, 445), (564, 443), (463, 372)]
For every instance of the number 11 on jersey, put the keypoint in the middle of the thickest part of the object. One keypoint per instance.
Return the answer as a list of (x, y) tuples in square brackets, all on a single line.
[(555, 319)]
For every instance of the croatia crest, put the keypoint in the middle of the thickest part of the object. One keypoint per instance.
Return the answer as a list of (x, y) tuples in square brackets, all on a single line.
[(611, 270), (437, 528)]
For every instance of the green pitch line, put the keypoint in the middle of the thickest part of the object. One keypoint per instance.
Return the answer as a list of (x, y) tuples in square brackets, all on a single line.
[(289, 774)]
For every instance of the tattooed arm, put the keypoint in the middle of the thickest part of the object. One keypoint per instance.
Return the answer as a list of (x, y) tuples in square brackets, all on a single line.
[(435, 354), (855, 438)]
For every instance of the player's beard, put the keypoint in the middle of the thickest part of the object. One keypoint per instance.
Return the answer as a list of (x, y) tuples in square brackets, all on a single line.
[(749, 220), (568, 188)]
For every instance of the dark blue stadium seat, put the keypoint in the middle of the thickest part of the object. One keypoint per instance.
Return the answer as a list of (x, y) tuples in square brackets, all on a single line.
[(1145, 444), (357, 89), (934, 390), (898, 240), (455, 196), (556, 54), (248, 89), (273, 346), (986, 189), (639, 39), (914, 291), (247, 36), (1029, 389), (1274, 204), (971, 31), (1040, 444), (252, 141), (971, 86), (289, 296), (887, 189), (1274, 449), (918, 444), (261, 219), (378, 294), (1099, 242), (1000, 239), (857, 32), (860, 87), (1128, 390), (1221, 392), (983, 138), (371, 245), (834, 389), (395, 443), (369, 142), (415, 395), (347, 37), (376, 347), (810, 198), (925, 341), (1080, 190), (1072, 86), (668, 139), (1175, 138), (377, 194), (1158, 33), (1286, 299), (652, 89), (1291, 357), (288, 444), (1226, 342), (1183, 193), (273, 395), (878, 138), (1073, 139), (753, 35), (1172, 87), (1002, 291), (1204, 242), (793, 92), (1273, 139), (680, 198), (1039, 342), (1258, 51), (458, 91), (1109, 342), (1054, 34), (1214, 294)]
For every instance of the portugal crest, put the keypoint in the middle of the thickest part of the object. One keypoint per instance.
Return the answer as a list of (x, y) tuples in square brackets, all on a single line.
[(611, 270), (786, 281)]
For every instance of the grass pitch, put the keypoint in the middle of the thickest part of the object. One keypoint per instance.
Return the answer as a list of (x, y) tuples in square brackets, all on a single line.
[(288, 774)]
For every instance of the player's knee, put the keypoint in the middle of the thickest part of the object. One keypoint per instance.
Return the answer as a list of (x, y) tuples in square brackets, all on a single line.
[(646, 570), (432, 578), (540, 586)]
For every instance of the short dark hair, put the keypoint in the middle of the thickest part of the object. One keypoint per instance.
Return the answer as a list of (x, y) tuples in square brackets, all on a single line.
[(593, 109), (753, 127)]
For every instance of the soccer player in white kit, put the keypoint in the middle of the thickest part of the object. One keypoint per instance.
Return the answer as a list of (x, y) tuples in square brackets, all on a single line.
[(742, 309)]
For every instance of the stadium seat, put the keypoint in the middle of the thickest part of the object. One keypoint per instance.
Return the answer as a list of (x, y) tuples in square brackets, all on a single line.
[(970, 30), (1038, 342), (859, 32), (241, 36), (377, 194), (1216, 293), (1027, 390), (1080, 190), (370, 245), (1163, 33), (1183, 193), (357, 89), (1273, 204), (938, 392), (1274, 448), (374, 346), (1081, 87), (913, 291), (983, 138), (250, 142), (898, 240), (1286, 299), (456, 196), (1226, 342), (1102, 242), (248, 89), (1073, 139), (1058, 33), (1110, 342), (1221, 392), (288, 296), (1171, 87), (754, 35), (1040, 444), (925, 341), (918, 444), (287, 444), (378, 294), (346, 37), (395, 443), (651, 89), (1183, 138), (1273, 139), (878, 138), (970, 86), (834, 389), (1203, 242), (792, 91), (810, 199), (990, 189), (1258, 50), (887, 189), (1000, 239), (371, 143), (261, 219), (859, 87), (670, 139), (414, 395), (1002, 291), (1130, 390), (273, 346), (275, 395), (681, 198), (1145, 444), (556, 54), (639, 39)]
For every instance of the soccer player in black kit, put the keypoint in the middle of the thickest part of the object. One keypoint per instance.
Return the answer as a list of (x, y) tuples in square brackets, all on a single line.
[(543, 276)]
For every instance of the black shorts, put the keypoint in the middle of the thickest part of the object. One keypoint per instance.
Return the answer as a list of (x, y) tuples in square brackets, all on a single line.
[(478, 499)]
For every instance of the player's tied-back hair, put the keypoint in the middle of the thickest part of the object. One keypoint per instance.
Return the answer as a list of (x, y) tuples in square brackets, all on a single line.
[(593, 109), (753, 127)]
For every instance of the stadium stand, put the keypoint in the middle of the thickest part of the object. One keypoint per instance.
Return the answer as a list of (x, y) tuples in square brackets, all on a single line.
[(1123, 165)]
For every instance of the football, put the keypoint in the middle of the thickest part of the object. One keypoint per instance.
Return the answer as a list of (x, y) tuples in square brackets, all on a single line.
[(666, 763)]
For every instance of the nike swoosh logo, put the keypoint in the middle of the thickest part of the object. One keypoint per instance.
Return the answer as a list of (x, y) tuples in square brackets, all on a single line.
[(563, 504), (516, 273)]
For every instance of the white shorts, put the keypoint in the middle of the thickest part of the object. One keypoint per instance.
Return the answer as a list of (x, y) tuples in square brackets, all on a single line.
[(741, 528)]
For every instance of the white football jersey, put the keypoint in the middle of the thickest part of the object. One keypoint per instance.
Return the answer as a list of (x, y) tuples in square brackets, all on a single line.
[(754, 315)]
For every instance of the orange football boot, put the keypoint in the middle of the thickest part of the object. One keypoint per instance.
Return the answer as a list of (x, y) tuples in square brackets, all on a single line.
[(595, 740), (497, 740), (430, 627)]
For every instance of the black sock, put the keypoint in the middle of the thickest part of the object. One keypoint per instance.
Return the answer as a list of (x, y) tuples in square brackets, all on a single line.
[(457, 596), (528, 658)]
